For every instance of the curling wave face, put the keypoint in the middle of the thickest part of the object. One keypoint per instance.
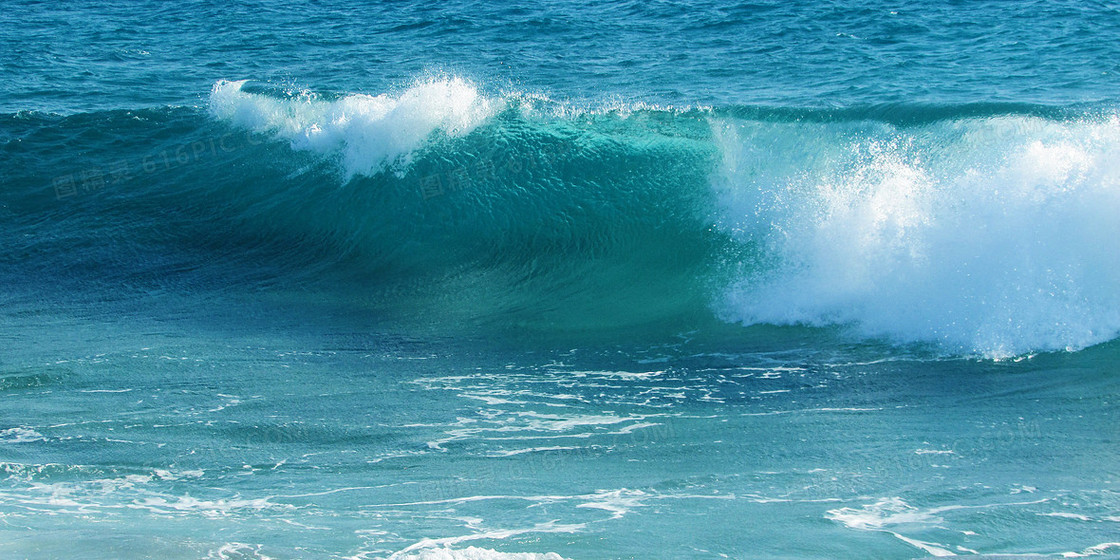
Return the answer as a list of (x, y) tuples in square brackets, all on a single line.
[(982, 229)]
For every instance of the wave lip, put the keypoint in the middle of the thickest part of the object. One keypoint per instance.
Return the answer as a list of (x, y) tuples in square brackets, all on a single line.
[(371, 133)]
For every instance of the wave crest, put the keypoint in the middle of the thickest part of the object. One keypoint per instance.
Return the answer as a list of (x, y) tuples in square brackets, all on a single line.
[(370, 132)]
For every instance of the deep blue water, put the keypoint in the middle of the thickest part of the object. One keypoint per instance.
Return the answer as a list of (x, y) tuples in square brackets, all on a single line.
[(553, 280)]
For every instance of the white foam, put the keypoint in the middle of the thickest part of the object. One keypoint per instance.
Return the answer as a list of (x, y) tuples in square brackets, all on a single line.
[(888, 513), (512, 452), (426, 547), (993, 236), (884, 513), (475, 553), (370, 133), (617, 502), (237, 551), (1066, 515), (619, 374), (20, 435), (1092, 550), (207, 508), (930, 548)]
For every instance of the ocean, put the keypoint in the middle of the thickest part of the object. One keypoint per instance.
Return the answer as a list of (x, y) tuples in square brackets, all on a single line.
[(559, 280)]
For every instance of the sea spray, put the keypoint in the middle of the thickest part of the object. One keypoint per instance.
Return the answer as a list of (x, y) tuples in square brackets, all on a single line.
[(986, 235), (372, 132)]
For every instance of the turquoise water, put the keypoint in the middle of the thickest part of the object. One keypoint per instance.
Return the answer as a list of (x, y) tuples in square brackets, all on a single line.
[(558, 281)]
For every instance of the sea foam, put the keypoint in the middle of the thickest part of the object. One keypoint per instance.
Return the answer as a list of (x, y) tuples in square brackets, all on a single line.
[(997, 236), (475, 553)]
